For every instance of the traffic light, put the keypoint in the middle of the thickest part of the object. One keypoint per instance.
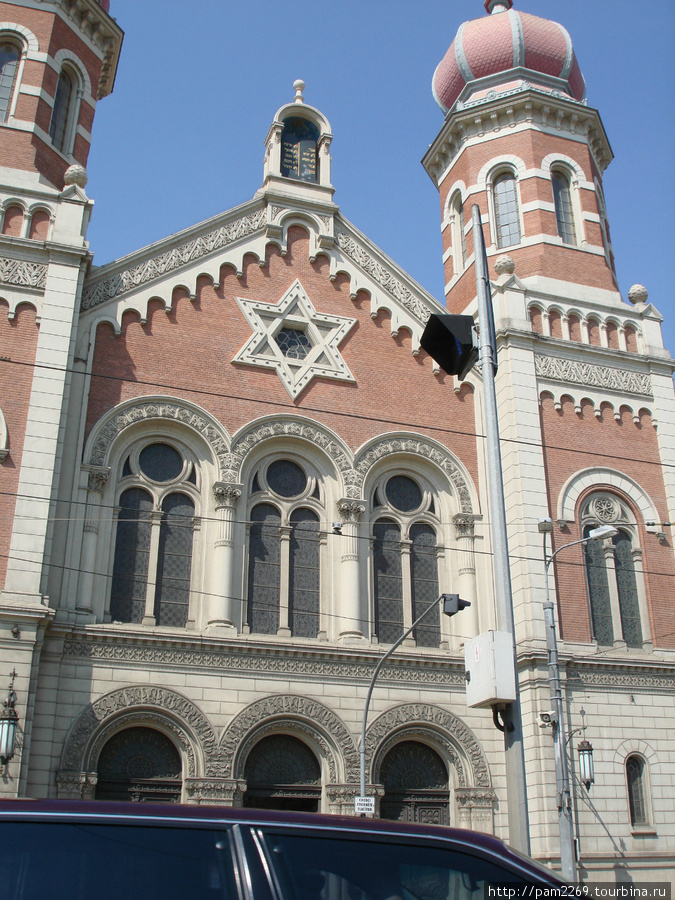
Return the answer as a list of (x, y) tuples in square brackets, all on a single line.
[(452, 341), (453, 603)]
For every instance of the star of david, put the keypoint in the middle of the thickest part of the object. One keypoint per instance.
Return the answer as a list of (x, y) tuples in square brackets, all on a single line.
[(291, 337)]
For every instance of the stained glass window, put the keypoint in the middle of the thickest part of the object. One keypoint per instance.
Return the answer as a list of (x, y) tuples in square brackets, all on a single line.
[(506, 210), (303, 600), (627, 589), (160, 462), (264, 569), (598, 591), (403, 493), (562, 200), (63, 99), (388, 581), (172, 593), (132, 553), (286, 478), (293, 343), (635, 770), (424, 568)]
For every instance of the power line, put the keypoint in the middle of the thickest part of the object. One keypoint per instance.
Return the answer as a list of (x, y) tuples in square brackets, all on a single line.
[(333, 412)]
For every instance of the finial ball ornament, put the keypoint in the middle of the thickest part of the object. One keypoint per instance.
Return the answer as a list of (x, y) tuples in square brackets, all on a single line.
[(298, 87), (76, 175), (504, 265), (638, 294)]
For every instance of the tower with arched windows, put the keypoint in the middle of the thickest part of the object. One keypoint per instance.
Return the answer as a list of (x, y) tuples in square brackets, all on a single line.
[(200, 571)]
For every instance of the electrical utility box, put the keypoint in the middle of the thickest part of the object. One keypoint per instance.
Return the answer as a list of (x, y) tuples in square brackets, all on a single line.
[(490, 674)]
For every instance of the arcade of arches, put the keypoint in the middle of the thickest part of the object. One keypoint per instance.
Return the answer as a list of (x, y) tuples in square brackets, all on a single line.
[(281, 772)]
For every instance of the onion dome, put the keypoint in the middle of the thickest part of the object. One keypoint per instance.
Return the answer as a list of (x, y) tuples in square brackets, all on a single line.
[(507, 47)]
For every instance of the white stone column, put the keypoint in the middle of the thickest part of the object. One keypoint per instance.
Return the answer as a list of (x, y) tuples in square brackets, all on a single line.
[(153, 557), (285, 569), (465, 537), (98, 478), (221, 607), (610, 566), (642, 599), (406, 585), (351, 618)]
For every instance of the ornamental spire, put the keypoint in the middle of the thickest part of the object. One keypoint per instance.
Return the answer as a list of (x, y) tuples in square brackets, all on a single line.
[(498, 6)]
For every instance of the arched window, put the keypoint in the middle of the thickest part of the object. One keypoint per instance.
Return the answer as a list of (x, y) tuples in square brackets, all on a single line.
[(507, 215), (63, 112), (636, 777), (458, 224), (611, 576), (155, 523), (281, 772), (405, 560), (298, 149), (284, 563), (10, 55), (562, 200), (416, 787)]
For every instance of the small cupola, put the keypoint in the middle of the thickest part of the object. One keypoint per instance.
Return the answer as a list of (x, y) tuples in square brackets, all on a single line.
[(297, 157)]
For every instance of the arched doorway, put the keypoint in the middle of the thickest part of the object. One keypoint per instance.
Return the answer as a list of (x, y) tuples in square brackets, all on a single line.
[(139, 764), (415, 782), (282, 773)]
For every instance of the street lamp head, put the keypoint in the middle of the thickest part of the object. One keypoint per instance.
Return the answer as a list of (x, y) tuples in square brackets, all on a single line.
[(545, 525), (586, 763), (602, 532), (452, 604)]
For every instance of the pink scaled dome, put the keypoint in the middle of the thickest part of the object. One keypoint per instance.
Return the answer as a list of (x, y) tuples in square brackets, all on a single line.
[(507, 46)]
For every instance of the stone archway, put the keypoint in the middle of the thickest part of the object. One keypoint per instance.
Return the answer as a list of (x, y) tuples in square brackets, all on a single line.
[(282, 772), (139, 764), (416, 785)]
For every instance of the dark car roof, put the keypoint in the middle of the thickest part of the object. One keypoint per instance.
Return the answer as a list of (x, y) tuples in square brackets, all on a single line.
[(130, 813)]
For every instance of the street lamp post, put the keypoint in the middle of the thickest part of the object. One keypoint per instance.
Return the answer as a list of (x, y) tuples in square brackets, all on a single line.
[(562, 774), (452, 603)]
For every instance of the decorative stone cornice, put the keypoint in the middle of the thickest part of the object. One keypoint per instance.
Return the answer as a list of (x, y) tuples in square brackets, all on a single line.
[(117, 283), (571, 371), (379, 273), (22, 273), (621, 677), (501, 110), (291, 661), (103, 32)]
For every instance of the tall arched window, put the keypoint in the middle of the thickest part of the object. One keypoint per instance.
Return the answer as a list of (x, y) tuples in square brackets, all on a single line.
[(562, 200), (62, 112), (405, 560), (458, 224), (153, 548), (284, 563), (9, 66), (507, 215), (636, 777), (611, 576)]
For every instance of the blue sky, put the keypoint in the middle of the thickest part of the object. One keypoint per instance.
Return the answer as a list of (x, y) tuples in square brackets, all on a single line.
[(181, 137)]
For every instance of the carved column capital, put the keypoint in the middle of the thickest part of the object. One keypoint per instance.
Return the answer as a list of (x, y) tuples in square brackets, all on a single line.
[(464, 525), (227, 495), (351, 511), (97, 478)]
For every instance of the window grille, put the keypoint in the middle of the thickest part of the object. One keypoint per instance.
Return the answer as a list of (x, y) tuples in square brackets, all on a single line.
[(506, 210), (9, 65)]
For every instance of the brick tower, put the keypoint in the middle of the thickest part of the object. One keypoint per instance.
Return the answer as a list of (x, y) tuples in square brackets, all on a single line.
[(57, 59)]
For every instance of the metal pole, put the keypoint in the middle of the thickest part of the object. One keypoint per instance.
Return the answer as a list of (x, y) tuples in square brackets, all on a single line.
[(562, 773), (516, 789), (372, 685)]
